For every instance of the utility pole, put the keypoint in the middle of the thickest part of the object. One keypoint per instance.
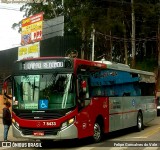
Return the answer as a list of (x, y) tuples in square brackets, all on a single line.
[(53, 7), (125, 44), (93, 39), (62, 2), (133, 36), (110, 57), (158, 42)]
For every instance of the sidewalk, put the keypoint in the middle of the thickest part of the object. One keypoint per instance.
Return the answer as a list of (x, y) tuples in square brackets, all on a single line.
[(10, 134)]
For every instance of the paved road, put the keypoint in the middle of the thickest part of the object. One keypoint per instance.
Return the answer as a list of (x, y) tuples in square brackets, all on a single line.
[(150, 136), (10, 137)]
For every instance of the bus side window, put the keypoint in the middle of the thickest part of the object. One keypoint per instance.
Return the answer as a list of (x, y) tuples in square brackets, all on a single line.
[(126, 94)]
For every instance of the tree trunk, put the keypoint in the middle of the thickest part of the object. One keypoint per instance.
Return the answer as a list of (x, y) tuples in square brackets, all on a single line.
[(158, 43), (125, 45), (110, 57), (84, 49), (133, 36)]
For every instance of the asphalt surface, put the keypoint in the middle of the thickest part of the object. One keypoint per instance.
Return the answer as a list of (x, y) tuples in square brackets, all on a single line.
[(151, 133)]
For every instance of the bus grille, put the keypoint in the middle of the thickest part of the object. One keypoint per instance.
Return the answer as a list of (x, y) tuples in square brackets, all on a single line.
[(29, 131), (44, 116)]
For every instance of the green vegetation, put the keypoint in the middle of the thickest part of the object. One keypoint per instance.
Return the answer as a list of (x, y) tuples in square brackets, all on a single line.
[(112, 22), (147, 65)]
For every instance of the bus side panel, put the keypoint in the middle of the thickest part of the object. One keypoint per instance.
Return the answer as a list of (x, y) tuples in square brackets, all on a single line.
[(129, 111), (123, 111), (88, 115), (83, 123), (149, 108), (115, 113)]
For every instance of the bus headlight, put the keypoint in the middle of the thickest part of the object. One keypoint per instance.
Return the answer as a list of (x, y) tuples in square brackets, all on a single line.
[(13, 121), (67, 123), (16, 124)]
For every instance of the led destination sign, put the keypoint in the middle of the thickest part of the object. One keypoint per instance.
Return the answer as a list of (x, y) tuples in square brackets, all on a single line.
[(37, 65)]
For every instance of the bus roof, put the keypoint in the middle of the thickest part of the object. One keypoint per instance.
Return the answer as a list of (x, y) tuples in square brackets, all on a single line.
[(109, 64), (124, 67)]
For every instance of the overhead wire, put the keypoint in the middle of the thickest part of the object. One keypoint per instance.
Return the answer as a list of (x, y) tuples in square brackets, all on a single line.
[(112, 1), (154, 38)]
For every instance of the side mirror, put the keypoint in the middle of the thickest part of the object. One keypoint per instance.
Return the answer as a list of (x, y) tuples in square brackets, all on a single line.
[(5, 87), (84, 85)]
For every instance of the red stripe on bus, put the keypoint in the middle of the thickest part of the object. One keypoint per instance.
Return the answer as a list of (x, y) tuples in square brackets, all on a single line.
[(123, 112)]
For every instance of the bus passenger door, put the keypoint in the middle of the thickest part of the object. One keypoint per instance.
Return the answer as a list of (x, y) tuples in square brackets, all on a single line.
[(84, 123), (83, 118)]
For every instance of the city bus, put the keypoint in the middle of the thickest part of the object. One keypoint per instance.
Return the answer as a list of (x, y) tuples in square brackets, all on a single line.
[(57, 98)]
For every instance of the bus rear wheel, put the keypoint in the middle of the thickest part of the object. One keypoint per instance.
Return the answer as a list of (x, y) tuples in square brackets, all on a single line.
[(97, 136), (139, 122)]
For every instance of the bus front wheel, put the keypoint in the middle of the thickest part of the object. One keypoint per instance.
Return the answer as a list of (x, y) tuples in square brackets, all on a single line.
[(139, 121), (97, 136)]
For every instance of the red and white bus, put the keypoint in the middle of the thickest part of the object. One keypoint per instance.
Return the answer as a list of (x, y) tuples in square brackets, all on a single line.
[(66, 98)]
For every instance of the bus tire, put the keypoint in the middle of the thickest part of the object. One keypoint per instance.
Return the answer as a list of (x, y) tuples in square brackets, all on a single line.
[(97, 136), (139, 122), (158, 112)]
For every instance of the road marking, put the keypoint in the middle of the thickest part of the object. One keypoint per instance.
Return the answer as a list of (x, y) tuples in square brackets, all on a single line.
[(150, 148), (102, 148), (118, 148), (85, 148), (4, 148), (149, 133)]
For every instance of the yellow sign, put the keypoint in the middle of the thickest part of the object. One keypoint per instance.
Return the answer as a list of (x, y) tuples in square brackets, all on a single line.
[(29, 51), (32, 29)]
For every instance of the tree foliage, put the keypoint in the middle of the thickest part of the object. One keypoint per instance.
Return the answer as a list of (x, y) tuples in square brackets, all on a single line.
[(112, 22)]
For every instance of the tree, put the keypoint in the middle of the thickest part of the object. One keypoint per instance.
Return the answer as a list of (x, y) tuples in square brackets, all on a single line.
[(113, 25), (51, 10)]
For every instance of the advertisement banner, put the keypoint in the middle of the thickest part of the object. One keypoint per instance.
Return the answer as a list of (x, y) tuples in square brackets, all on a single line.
[(29, 51), (32, 29)]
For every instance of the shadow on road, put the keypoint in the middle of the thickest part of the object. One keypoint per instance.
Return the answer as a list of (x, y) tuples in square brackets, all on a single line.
[(67, 144), (76, 143)]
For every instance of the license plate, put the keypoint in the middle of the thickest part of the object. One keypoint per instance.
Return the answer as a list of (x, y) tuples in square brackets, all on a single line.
[(38, 133)]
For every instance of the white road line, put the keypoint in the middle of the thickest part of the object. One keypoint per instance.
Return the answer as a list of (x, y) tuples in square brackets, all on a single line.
[(150, 148), (149, 133), (85, 148), (102, 148), (1, 148), (118, 148)]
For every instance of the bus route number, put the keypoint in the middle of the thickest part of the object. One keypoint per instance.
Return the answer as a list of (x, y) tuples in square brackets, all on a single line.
[(49, 123)]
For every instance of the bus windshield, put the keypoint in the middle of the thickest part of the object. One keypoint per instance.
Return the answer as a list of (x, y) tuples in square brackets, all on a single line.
[(48, 91)]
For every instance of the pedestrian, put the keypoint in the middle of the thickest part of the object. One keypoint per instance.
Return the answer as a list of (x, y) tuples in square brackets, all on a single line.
[(6, 118)]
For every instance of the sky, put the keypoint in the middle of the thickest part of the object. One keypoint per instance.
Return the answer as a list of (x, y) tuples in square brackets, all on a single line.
[(9, 14)]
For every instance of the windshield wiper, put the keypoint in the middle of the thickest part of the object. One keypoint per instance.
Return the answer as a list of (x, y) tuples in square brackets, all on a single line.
[(33, 88)]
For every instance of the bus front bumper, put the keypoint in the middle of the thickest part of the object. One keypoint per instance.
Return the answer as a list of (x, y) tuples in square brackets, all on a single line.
[(70, 132)]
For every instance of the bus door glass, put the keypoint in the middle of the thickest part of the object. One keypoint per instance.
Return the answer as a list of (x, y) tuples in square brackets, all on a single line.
[(83, 90)]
